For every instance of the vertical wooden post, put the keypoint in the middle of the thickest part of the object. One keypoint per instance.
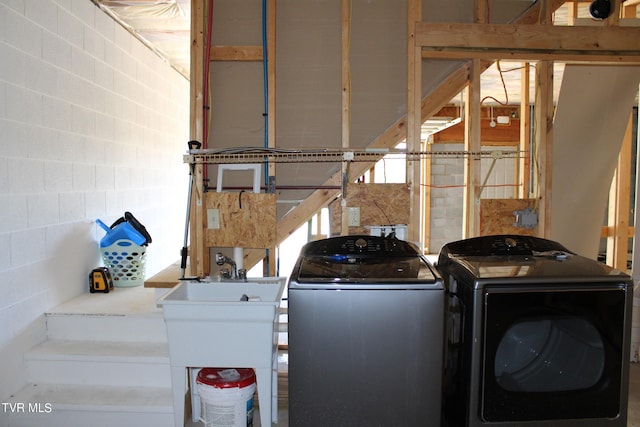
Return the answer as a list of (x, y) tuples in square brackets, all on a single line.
[(472, 142), (629, 11), (620, 193), (614, 18), (426, 198), (196, 220), (544, 143), (271, 78), (572, 11), (271, 104), (346, 104), (524, 162), (414, 118), (619, 205), (471, 202), (544, 131)]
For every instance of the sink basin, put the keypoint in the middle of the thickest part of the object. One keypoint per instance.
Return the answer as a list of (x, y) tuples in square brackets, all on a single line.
[(262, 289), (222, 301), (209, 320), (211, 324)]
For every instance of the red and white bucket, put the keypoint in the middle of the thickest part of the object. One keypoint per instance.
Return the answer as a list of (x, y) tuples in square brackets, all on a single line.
[(226, 396)]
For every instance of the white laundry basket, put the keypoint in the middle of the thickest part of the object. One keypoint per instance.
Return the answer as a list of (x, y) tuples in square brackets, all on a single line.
[(126, 262), (226, 396)]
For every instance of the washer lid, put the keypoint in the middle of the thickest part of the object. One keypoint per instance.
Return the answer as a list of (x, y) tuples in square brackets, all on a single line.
[(360, 246), (362, 259)]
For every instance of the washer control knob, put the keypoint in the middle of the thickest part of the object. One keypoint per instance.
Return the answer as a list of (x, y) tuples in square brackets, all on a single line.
[(361, 243), (510, 242)]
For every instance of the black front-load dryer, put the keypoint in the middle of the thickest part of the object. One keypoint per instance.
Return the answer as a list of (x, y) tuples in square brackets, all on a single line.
[(536, 336)]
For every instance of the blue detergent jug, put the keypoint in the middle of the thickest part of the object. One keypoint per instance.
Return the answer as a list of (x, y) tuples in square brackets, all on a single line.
[(122, 231)]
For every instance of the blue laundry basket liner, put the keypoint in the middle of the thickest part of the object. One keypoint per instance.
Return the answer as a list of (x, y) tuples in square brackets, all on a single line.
[(122, 231)]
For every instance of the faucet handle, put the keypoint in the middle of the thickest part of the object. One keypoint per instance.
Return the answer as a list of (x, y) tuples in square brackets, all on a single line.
[(222, 259)]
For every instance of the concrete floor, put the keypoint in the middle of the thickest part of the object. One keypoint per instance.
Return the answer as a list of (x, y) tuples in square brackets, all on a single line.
[(633, 413), (634, 396)]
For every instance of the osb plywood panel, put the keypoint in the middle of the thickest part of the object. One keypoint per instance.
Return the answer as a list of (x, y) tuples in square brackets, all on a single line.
[(380, 204), (247, 220), (497, 216)]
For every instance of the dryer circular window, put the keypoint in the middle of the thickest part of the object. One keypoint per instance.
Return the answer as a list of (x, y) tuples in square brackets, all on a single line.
[(556, 353)]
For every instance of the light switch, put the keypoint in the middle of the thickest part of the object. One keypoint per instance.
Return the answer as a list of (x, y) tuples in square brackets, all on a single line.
[(213, 218)]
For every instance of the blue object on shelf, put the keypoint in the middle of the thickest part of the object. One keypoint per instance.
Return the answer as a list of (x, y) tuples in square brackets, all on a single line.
[(122, 231)]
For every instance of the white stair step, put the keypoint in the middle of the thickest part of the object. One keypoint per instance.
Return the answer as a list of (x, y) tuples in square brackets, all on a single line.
[(99, 363), (125, 314), (57, 405), (106, 327)]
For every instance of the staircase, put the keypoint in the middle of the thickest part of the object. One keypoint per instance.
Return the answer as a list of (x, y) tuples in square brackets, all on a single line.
[(105, 363)]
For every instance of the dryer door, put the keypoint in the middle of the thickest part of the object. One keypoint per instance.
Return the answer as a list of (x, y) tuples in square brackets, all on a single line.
[(552, 354)]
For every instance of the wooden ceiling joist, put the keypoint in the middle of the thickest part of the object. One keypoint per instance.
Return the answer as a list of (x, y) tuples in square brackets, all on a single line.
[(529, 42)]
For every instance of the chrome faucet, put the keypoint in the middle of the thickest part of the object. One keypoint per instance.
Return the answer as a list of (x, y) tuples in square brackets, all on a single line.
[(222, 259)]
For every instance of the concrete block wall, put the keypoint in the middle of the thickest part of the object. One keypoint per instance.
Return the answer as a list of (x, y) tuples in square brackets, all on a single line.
[(447, 191), (447, 180), (92, 124)]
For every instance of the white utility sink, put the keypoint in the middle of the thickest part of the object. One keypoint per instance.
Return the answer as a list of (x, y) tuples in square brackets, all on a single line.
[(212, 324)]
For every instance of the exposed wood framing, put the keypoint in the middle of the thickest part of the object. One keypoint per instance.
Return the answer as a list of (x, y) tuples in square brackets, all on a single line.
[(425, 206), (609, 48), (524, 165), (471, 202), (545, 43), (544, 110), (619, 205), (480, 11), (414, 118), (271, 77), (618, 229), (236, 53), (614, 18), (346, 102), (529, 42), (629, 8), (502, 135), (196, 240), (270, 263), (572, 12), (431, 104), (543, 143)]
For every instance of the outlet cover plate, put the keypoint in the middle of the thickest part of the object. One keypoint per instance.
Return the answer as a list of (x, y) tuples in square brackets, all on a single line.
[(353, 215)]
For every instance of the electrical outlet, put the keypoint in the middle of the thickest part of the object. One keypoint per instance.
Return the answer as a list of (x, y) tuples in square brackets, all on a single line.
[(213, 218), (353, 219)]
